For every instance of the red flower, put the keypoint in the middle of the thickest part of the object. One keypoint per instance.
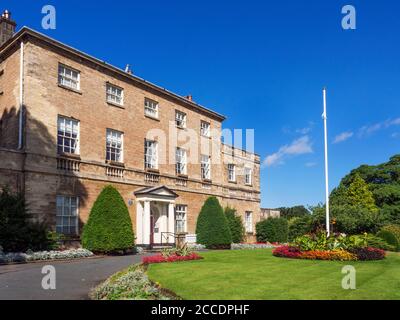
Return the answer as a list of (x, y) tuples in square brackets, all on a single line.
[(160, 259)]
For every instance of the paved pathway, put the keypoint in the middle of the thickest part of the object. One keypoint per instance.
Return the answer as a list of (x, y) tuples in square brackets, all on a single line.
[(74, 279)]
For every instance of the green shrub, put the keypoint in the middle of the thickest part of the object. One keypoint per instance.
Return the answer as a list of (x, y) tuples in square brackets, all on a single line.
[(235, 224), (390, 238), (212, 226), (109, 228), (299, 226), (17, 231), (272, 230), (379, 243)]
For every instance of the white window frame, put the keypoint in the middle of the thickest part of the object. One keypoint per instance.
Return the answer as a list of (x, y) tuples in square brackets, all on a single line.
[(231, 172), (114, 94), (114, 146), (205, 129), (248, 176), (151, 108), (180, 119), (151, 154), (205, 167), (181, 161), (70, 127), (248, 218), (181, 213), (64, 208), (67, 78)]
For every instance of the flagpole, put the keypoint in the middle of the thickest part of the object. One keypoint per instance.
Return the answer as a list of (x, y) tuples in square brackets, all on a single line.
[(326, 166)]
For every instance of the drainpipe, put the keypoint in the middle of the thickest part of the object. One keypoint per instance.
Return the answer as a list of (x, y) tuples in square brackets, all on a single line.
[(21, 95)]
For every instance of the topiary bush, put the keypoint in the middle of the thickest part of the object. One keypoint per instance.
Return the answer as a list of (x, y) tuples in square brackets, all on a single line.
[(212, 227), (235, 224), (272, 230), (109, 228)]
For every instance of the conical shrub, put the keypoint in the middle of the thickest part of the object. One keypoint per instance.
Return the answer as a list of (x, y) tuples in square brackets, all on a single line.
[(109, 228), (212, 226)]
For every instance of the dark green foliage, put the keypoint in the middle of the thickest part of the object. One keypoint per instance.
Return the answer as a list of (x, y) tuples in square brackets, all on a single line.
[(391, 234), (212, 226), (235, 224), (18, 232), (273, 230), (296, 211), (109, 228), (299, 226), (383, 181), (377, 242)]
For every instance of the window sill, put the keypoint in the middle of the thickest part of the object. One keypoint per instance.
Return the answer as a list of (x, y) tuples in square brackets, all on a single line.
[(155, 171), (248, 184), (69, 89), (181, 128), (115, 164), (206, 180), (114, 104), (69, 156), (183, 176), (233, 182), (206, 137), (151, 117)]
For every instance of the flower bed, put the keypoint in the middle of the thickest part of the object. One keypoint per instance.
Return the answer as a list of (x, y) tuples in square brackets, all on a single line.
[(361, 254), (131, 284), (43, 255), (251, 246), (172, 258)]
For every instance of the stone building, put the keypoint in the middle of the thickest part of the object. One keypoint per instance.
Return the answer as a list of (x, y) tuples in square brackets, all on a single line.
[(71, 124)]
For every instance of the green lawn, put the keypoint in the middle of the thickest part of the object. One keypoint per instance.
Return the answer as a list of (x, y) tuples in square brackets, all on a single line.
[(257, 275)]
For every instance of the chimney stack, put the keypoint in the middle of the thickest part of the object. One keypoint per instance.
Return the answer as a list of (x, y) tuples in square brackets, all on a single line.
[(128, 69), (189, 97), (7, 27)]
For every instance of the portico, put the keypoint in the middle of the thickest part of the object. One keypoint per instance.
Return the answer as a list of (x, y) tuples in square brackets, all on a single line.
[(155, 216)]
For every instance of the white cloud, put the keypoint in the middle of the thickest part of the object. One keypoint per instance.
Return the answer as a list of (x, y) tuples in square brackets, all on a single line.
[(343, 137), (370, 129), (311, 164), (304, 130), (299, 146)]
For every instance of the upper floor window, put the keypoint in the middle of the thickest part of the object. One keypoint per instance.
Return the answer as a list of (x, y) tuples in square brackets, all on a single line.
[(150, 154), (67, 216), (249, 221), (248, 176), (181, 161), (115, 94), (114, 146), (180, 119), (205, 167), (231, 173), (68, 77), (67, 135), (205, 129), (151, 108), (180, 218)]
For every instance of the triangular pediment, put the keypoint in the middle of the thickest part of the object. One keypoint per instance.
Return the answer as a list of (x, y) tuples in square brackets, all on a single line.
[(160, 191)]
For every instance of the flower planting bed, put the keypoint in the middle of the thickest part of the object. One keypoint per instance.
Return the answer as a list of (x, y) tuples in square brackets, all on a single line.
[(171, 258), (43, 256), (252, 246)]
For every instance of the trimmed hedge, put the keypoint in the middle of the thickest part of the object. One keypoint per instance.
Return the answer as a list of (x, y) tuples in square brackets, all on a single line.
[(273, 230), (109, 228), (235, 224), (379, 243), (390, 238), (212, 226), (394, 229), (299, 226)]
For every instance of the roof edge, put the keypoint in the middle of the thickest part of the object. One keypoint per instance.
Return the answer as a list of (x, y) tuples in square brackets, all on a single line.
[(28, 31)]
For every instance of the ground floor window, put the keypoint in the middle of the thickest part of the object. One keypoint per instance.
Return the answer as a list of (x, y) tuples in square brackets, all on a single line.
[(180, 218), (249, 221), (67, 215)]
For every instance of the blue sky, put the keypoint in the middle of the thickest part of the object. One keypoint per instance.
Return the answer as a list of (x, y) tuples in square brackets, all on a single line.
[(263, 64)]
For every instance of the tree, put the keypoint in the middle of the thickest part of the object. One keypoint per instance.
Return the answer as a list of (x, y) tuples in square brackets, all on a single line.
[(18, 232), (272, 230), (109, 228), (358, 194), (235, 224), (292, 212), (212, 227)]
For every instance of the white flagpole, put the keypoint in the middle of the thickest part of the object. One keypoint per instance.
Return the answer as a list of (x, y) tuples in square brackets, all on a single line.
[(324, 116)]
